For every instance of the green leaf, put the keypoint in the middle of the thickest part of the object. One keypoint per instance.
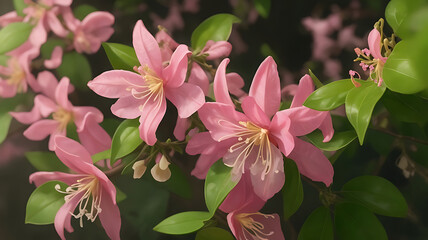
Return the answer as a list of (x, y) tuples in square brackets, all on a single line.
[(377, 194), (399, 14), (125, 140), (354, 222), (400, 73), (120, 196), (329, 96), (44, 203), (81, 11), (214, 233), (315, 79), (76, 67), (5, 119), (101, 156), (217, 185), (183, 223), (318, 226), (178, 183), (121, 56), (359, 105), (339, 140), (263, 7), (216, 28), (19, 6), (292, 192), (7, 105), (14, 35), (46, 161), (406, 108)]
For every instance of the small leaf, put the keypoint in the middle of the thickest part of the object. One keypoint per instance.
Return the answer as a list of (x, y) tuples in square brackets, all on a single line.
[(315, 79), (263, 7), (46, 161), (81, 11), (121, 56), (125, 140), (359, 105), (318, 226), (7, 105), (19, 6), (329, 96), (377, 194), (120, 196), (101, 156), (44, 203), (216, 28), (406, 108), (183, 223), (339, 140), (214, 233), (217, 185), (292, 192), (354, 222), (5, 119), (14, 35), (76, 67)]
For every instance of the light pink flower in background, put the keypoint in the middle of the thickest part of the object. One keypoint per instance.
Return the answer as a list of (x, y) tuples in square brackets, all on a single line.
[(244, 219), (257, 138), (10, 17), (56, 103), (89, 33), (56, 58), (173, 21), (89, 190), (143, 94)]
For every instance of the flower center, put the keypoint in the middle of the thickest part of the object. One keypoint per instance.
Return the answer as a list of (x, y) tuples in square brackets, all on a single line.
[(368, 62), (83, 42), (17, 77), (252, 141), (89, 191), (253, 227), (63, 117), (36, 10)]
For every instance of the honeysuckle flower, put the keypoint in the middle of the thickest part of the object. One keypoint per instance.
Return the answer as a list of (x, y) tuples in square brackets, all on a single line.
[(56, 58), (244, 219), (89, 33), (255, 140), (139, 168), (143, 94), (56, 103), (16, 76), (89, 190)]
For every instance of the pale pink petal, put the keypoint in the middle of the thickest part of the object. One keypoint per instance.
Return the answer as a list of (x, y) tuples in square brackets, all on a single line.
[(181, 126), (266, 87), (304, 120), (217, 49), (163, 38), (235, 226), (81, 116), (375, 44), (74, 155), (93, 137), (203, 165), (202, 143), (38, 178), (289, 91), (147, 48), (64, 3), (9, 18), (150, 120), (304, 89), (6, 90), (63, 216), (41, 104), (254, 112), (110, 217), (41, 129), (55, 25), (187, 98), (327, 128), (235, 83), (48, 83), (199, 78), (56, 58), (279, 131), (61, 93), (38, 35), (311, 162), (97, 20), (70, 21), (45, 105), (175, 73), (115, 83), (241, 196), (128, 107), (221, 91)]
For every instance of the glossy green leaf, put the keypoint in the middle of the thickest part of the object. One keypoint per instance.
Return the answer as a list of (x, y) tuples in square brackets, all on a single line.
[(292, 192), (44, 203), (315, 79), (329, 96), (101, 156), (262, 7), (359, 105), (400, 73), (354, 222), (121, 56), (214, 233), (125, 140), (318, 226), (19, 6), (14, 35), (46, 161), (5, 119), (183, 223), (399, 15), (377, 194), (216, 28), (406, 108), (76, 67), (81, 11), (339, 140), (217, 185)]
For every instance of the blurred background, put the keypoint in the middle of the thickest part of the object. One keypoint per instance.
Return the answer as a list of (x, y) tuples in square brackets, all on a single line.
[(315, 34)]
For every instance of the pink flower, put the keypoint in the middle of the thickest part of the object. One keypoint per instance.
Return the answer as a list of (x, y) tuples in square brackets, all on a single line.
[(9, 17), (89, 33), (143, 94), (89, 189), (256, 139), (55, 102), (244, 219)]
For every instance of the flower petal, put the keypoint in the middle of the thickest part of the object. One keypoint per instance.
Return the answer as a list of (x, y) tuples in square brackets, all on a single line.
[(235, 83), (280, 132), (375, 44), (254, 112), (56, 58), (97, 20), (147, 48), (175, 73), (74, 155), (221, 91), (150, 120), (304, 120), (48, 83), (304, 89), (61, 93), (187, 98), (63, 216), (217, 49), (55, 25), (115, 83), (92, 136), (41, 129), (38, 178), (181, 126), (128, 107), (327, 128), (110, 217), (199, 78)]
